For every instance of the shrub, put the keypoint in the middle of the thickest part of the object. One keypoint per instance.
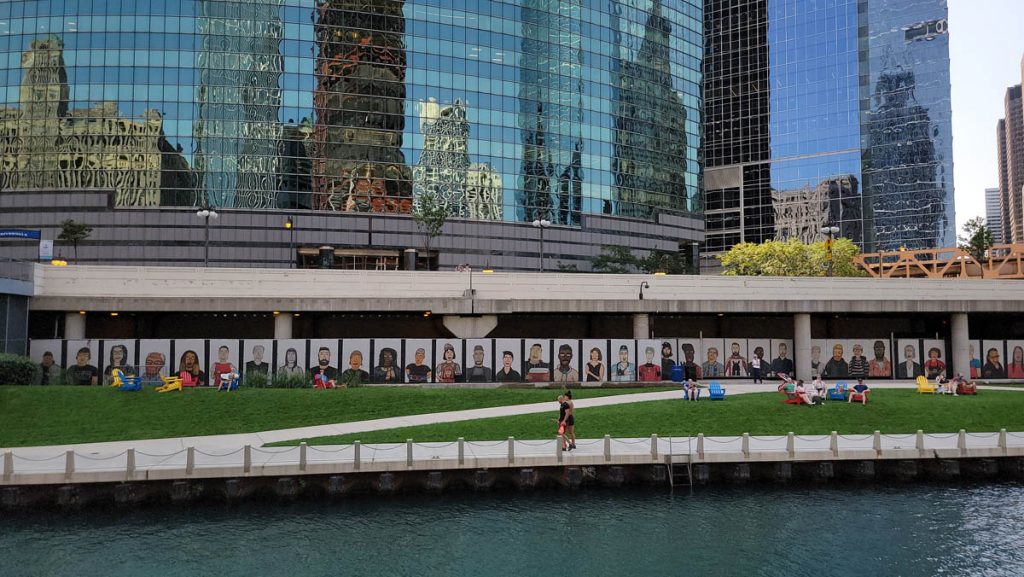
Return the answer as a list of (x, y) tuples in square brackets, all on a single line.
[(16, 370), (256, 380), (287, 381)]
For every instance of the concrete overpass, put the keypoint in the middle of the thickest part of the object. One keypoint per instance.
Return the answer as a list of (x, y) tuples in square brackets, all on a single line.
[(471, 303)]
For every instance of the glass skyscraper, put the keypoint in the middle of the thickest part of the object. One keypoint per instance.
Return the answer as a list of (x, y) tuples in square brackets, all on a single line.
[(828, 112), (509, 110)]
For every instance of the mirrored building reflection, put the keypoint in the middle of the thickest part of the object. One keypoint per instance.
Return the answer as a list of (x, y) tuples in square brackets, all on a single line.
[(805, 100)]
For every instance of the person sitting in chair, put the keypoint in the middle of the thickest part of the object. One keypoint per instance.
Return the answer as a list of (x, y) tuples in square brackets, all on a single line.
[(943, 385), (691, 390), (229, 379), (803, 393), (861, 389)]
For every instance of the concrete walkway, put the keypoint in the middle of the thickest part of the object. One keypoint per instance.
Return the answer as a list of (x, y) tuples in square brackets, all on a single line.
[(258, 439)]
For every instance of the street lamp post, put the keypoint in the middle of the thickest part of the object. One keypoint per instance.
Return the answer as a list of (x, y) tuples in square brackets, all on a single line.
[(207, 214), (643, 285), (541, 224), (831, 231), (289, 225)]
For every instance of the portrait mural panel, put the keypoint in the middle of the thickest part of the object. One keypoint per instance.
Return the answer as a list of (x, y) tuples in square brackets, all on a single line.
[(508, 355), (835, 365), (479, 366), (117, 354), (189, 362), (595, 358), (355, 363), (419, 361), (256, 357), (155, 361), (782, 357), (450, 355), (1014, 359), (537, 360), (992, 364), (290, 362), (224, 360), (935, 360), (667, 355), (48, 355), (975, 354), (323, 362), (735, 358), (387, 364), (689, 356), (858, 357), (711, 365), (879, 359), (622, 361), (83, 363), (648, 360), (566, 365), (908, 359), (819, 356), (761, 348)]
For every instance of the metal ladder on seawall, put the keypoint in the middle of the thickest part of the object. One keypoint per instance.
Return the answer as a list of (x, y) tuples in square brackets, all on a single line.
[(677, 474)]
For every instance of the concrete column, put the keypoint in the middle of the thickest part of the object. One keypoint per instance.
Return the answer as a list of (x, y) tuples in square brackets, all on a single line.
[(641, 326), (802, 345), (961, 344), (470, 327), (283, 326), (74, 325)]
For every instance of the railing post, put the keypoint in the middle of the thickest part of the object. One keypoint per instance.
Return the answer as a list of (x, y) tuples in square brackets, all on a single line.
[(190, 460), (511, 450), (654, 447), (302, 456), (8, 465), (356, 445), (559, 441), (130, 466), (833, 443), (1002, 440), (247, 462), (462, 450), (745, 445), (791, 445), (920, 440), (961, 441), (69, 464), (607, 448), (408, 452), (700, 446), (877, 442)]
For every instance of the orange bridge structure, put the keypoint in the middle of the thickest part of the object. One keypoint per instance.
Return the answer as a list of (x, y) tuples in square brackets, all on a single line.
[(1002, 261)]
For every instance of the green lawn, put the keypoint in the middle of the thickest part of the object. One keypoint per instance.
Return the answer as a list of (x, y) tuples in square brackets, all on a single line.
[(60, 415), (889, 411)]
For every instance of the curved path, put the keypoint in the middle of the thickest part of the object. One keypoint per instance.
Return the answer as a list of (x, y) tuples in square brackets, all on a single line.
[(233, 441)]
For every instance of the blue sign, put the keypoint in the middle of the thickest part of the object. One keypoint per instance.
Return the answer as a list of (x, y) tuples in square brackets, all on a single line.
[(18, 233)]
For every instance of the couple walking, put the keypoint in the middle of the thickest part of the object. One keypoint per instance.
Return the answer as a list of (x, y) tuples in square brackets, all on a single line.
[(566, 421)]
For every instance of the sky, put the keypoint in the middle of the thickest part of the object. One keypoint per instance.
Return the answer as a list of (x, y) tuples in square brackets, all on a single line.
[(986, 43)]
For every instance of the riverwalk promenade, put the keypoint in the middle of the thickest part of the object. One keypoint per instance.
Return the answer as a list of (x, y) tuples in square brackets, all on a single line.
[(244, 456)]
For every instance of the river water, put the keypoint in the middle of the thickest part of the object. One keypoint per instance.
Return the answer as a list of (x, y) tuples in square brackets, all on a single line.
[(858, 531)]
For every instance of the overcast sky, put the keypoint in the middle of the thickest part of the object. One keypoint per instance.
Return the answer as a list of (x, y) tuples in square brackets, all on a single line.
[(986, 42)]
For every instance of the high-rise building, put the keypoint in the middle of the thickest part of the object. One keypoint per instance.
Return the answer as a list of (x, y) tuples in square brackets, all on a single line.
[(1010, 145), (336, 115), (994, 214), (802, 93)]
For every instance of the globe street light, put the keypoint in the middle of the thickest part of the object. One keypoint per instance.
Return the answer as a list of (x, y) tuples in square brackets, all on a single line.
[(643, 285), (541, 224), (831, 231), (207, 214)]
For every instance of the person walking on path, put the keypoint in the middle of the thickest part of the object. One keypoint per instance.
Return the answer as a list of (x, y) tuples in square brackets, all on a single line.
[(562, 408), (755, 368), (569, 420)]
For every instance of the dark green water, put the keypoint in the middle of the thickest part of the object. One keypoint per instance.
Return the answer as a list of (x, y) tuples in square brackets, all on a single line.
[(862, 531)]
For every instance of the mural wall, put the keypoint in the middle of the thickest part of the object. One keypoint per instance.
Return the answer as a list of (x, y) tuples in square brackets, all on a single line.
[(356, 362)]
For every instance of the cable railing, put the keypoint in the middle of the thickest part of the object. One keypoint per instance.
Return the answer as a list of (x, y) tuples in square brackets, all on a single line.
[(42, 467)]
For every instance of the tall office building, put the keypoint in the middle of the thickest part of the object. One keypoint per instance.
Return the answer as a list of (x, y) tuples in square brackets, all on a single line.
[(1010, 144), (994, 214), (854, 92)]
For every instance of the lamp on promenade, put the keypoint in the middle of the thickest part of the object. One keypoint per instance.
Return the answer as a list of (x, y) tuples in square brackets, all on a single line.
[(207, 214), (289, 225), (831, 231), (541, 224), (643, 285)]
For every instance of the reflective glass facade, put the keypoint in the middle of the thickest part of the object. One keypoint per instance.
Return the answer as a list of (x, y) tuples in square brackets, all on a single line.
[(506, 110), (828, 112)]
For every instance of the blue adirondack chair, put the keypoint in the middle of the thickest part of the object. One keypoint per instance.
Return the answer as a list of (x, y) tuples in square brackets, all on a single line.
[(838, 392), (716, 392), (127, 383)]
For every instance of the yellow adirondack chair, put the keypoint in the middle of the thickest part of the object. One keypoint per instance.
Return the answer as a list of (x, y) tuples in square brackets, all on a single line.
[(923, 386), (170, 384)]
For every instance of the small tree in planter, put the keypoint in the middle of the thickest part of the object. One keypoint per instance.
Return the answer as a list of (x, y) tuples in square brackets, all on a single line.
[(74, 232), (429, 214)]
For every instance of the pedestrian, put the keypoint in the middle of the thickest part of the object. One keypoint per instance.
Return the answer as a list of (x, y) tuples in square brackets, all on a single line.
[(755, 368), (562, 408), (570, 420)]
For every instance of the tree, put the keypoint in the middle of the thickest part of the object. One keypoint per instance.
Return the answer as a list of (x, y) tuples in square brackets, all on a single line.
[(620, 260), (791, 258), (74, 232), (429, 215), (976, 238)]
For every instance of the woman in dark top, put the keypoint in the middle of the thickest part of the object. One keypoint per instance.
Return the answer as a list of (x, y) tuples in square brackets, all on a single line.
[(569, 420)]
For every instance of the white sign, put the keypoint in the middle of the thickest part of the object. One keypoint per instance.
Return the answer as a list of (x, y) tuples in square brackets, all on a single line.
[(45, 250)]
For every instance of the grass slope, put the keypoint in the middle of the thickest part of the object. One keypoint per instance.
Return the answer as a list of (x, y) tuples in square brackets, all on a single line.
[(61, 415), (889, 411)]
